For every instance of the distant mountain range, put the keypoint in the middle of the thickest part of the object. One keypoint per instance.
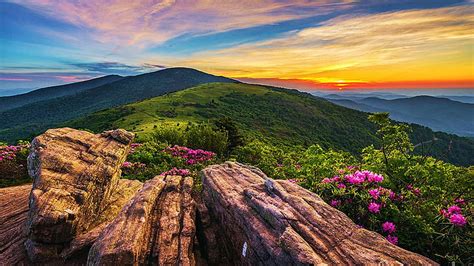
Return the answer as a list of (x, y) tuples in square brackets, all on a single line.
[(440, 114), (182, 95), (10, 102)]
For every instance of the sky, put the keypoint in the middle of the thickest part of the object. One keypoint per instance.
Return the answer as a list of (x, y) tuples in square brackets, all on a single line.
[(304, 44)]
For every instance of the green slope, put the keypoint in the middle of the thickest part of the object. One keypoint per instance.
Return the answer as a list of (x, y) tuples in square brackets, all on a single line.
[(280, 116), (30, 119)]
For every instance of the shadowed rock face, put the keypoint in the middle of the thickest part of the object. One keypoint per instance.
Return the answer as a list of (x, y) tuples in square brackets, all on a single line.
[(79, 212), (272, 222)]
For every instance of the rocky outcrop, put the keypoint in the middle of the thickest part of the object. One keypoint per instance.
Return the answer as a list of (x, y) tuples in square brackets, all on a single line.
[(156, 227), (269, 222), (75, 174), (79, 212), (13, 215)]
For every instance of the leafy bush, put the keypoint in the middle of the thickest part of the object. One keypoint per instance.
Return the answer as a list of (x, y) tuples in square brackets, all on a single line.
[(13, 168)]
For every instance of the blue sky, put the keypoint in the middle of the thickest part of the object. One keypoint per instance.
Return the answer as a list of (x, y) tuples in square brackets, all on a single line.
[(50, 42)]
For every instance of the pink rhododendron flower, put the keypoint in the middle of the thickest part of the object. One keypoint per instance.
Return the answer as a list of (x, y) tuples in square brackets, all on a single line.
[(416, 191), (374, 207), (388, 227), (454, 209), (326, 180), (444, 212), (392, 239), (176, 171), (191, 156), (335, 203), (127, 165), (458, 219), (374, 193), (460, 201), (341, 186)]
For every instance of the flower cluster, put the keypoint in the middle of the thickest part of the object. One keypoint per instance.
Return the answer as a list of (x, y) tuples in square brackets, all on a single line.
[(134, 147), (366, 178), (176, 171), (133, 165), (454, 214), (190, 155), (390, 228), (9, 152)]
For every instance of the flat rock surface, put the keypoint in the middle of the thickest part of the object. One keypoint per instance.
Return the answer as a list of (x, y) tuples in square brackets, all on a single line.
[(275, 222)]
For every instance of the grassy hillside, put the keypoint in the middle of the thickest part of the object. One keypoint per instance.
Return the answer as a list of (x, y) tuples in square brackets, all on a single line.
[(10, 102), (28, 120), (280, 116)]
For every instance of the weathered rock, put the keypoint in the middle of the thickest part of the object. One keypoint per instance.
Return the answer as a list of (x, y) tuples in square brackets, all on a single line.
[(275, 222), (75, 173), (155, 227), (13, 214)]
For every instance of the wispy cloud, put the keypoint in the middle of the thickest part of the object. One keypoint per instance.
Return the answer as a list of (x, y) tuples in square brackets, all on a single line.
[(405, 45), (117, 68), (145, 22)]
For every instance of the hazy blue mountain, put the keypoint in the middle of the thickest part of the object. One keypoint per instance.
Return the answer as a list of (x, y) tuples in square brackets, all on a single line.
[(439, 114), (24, 121), (11, 92), (10, 102)]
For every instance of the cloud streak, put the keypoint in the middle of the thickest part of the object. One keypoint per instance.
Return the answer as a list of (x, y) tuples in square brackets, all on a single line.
[(395, 46), (145, 22)]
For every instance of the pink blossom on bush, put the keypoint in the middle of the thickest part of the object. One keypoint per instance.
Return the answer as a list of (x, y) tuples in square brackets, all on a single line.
[(335, 203), (392, 239), (127, 165), (176, 171), (458, 219), (388, 227), (191, 156), (341, 186), (326, 180), (460, 201), (134, 146), (374, 193), (454, 209), (444, 212), (374, 207)]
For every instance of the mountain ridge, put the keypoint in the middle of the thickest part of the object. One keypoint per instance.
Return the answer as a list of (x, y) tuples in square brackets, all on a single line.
[(25, 121), (14, 101)]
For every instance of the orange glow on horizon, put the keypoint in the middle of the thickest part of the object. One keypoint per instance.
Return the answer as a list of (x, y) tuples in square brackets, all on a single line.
[(310, 84)]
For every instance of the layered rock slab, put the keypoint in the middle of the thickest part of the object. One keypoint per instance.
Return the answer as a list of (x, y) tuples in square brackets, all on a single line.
[(275, 222), (156, 227), (75, 173), (13, 220), (13, 215)]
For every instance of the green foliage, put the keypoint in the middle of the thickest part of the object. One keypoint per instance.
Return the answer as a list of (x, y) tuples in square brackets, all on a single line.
[(235, 138), (170, 135), (206, 137), (277, 116), (198, 136)]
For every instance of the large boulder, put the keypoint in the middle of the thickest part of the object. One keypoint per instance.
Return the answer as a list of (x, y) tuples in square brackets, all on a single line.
[(276, 222), (156, 227), (75, 173)]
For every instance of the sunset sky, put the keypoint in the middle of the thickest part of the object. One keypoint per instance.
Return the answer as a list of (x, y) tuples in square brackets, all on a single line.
[(321, 44)]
